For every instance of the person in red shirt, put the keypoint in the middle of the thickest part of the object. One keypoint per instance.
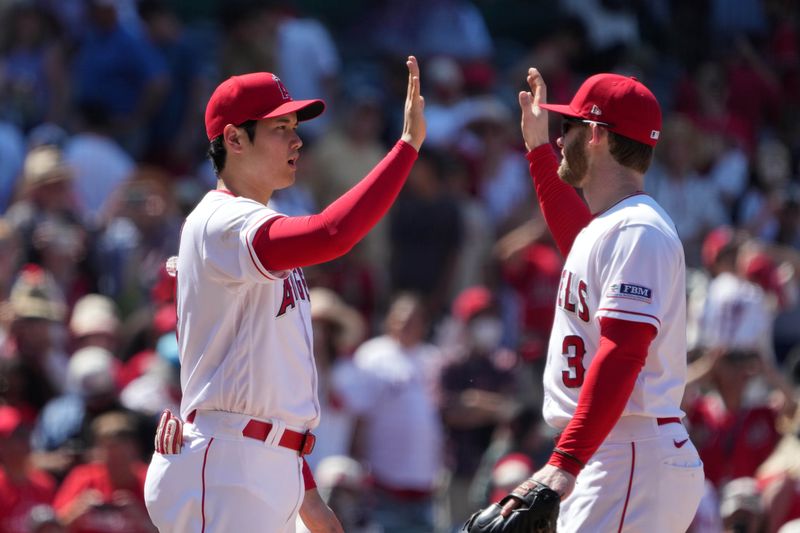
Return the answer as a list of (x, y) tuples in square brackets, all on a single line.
[(106, 495), (22, 487), (732, 436)]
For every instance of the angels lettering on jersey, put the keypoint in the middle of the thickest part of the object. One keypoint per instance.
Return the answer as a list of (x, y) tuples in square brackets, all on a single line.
[(294, 288), (573, 295)]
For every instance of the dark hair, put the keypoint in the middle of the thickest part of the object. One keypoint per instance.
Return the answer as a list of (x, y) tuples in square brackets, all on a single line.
[(630, 153), (216, 150)]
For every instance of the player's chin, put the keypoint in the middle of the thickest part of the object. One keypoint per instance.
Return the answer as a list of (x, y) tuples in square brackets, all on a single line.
[(288, 178), (287, 181), (568, 176)]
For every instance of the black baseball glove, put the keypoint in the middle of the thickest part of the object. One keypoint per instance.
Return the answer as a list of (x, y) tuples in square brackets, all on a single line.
[(537, 512)]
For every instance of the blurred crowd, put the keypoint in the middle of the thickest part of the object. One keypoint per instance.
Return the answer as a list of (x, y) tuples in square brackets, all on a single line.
[(430, 335)]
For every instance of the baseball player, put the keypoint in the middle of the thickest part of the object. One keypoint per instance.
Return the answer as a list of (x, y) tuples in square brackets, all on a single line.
[(244, 319), (616, 362)]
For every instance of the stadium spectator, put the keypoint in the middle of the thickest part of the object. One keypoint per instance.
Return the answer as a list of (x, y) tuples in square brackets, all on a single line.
[(33, 87), (338, 331), (22, 486), (95, 322), (106, 495), (478, 391), (46, 195), (425, 234), (174, 138), (35, 363), (118, 73), (392, 388), (690, 199)]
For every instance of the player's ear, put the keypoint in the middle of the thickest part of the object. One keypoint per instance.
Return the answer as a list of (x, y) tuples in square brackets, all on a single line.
[(598, 133), (233, 138)]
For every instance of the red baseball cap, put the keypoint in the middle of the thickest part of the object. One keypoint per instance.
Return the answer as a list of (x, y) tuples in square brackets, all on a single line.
[(716, 240), (472, 301), (253, 97), (623, 103), (762, 270)]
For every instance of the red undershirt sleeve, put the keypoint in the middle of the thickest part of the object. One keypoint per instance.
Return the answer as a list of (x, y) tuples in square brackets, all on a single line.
[(563, 209), (308, 477), (608, 385), (283, 243)]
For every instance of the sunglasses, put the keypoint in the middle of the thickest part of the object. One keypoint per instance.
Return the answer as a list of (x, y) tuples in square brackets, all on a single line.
[(567, 123)]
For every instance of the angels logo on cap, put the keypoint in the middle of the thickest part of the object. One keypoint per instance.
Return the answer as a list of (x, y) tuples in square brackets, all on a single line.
[(254, 96), (282, 87)]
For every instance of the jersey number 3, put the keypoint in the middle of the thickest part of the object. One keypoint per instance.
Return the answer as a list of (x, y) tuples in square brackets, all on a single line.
[(574, 350)]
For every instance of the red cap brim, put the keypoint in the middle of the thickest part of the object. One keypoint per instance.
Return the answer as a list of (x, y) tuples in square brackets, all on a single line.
[(305, 109), (561, 109)]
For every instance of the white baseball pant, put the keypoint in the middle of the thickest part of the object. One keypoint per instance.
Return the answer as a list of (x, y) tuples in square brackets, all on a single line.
[(644, 478), (224, 482)]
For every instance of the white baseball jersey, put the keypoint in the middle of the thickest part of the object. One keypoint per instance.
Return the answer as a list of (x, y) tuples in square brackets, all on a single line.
[(736, 315), (627, 263), (244, 332), (392, 387)]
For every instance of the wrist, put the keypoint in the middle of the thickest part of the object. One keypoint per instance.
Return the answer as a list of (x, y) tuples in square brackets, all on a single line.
[(536, 142), (408, 139), (566, 462), (544, 149)]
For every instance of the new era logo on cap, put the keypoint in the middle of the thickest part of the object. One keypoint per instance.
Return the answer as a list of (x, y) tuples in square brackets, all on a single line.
[(626, 105)]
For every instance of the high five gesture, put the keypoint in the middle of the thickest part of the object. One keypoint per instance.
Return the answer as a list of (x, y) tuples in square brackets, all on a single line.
[(414, 119)]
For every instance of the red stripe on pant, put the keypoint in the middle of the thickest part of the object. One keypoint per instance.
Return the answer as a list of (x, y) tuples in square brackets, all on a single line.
[(630, 484), (203, 477)]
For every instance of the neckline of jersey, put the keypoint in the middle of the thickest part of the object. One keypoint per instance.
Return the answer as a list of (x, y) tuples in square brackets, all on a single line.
[(615, 204), (224, 191)]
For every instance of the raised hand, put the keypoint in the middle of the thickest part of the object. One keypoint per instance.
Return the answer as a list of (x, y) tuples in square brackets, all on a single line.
[(534, 119), (414, 118)]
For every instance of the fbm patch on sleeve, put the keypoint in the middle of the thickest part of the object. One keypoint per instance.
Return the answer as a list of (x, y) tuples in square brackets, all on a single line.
[(630, 291)]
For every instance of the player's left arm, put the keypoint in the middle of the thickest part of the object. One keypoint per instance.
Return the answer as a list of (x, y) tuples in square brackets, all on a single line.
[(288, 242)]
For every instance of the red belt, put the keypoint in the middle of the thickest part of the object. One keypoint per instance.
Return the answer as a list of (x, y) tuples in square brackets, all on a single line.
[(302, 443)]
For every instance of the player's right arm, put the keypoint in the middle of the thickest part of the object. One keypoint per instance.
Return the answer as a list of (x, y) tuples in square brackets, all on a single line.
[(316, 514), (608, 384), (284, 243), (564, 211)]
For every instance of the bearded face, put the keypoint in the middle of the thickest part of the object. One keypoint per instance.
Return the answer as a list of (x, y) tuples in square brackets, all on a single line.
[(575, 164)]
